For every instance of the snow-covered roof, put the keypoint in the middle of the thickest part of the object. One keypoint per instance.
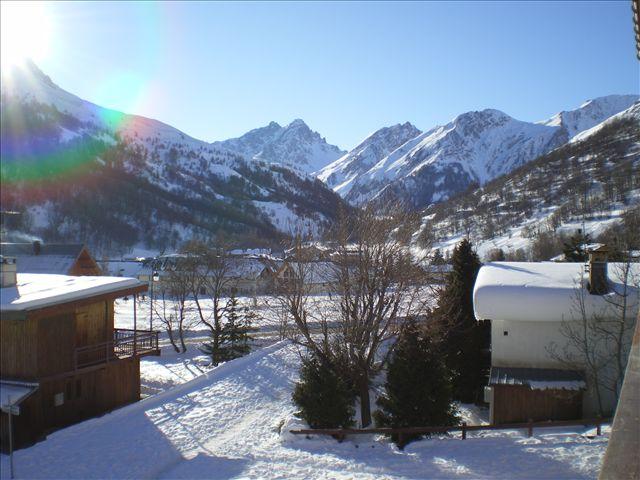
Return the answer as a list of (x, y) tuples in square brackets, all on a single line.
[(538, 378), (246, 268), (316, 272), (53, 264), (12, 393), (125, 268), (34, 291), (45, 258), (545, 291)]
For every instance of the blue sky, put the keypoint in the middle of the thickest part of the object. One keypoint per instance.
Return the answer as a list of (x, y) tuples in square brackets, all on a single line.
[(216, 70)]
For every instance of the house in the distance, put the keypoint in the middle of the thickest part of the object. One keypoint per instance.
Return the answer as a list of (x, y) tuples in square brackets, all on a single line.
[(61, 359), (536, 371), (51, 258)]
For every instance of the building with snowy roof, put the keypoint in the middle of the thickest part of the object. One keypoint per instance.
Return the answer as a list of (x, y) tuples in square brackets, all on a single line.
[(61, 359), (537, 372), (51, 258)]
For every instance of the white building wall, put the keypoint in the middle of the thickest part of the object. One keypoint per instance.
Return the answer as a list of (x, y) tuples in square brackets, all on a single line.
[(526, 345)]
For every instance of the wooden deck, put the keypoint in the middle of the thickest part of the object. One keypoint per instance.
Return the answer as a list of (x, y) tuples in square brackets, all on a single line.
[(126, 343)]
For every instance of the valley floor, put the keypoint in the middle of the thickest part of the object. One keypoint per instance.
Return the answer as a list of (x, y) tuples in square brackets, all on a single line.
[(233, 421)]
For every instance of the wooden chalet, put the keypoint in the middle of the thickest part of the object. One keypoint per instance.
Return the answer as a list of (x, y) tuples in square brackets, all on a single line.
[(60, 259), (61, 359)]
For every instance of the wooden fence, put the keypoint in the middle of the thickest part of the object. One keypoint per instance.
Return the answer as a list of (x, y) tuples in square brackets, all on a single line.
[(340, 434)]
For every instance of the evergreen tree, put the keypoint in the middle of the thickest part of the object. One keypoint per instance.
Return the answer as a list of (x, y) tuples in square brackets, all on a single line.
[(418, 389), (466, 340), (234, 339), (574, 250), (437, 258), (324, 398)]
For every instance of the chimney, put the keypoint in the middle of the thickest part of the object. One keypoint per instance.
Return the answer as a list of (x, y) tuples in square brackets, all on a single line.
[(598, 279), (8, 275)]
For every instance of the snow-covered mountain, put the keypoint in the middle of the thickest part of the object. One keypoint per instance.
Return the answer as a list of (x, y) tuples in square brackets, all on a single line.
[(81, 172), (591, 183), (590, 113), (340, 174), (472, 149), (295, 146)]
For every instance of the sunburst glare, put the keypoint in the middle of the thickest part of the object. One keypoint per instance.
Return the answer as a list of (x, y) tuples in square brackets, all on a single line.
[(25, 32)]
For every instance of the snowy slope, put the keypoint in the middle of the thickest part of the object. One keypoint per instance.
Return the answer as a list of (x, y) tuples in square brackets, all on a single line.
[(295, 146), (232, 422), (157, 186), (341, 174), (590, 183), (472, 149), (632, 112), (590, 113)]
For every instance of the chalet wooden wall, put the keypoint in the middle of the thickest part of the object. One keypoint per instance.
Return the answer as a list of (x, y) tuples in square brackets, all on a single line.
[(39, 347), (515, 403), (86, 395), (92, 326), (18, 349), (42, 349), (56, 344)]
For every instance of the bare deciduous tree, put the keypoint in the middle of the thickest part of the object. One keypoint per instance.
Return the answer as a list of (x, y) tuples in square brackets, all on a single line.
[(171, 306), (373, 282), (209, 278), (597, 339)]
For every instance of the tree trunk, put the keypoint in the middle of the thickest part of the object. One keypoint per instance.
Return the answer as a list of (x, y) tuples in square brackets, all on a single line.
[(172, 340), (365, 403)]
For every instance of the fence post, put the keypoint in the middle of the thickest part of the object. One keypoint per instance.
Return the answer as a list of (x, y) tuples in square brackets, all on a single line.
[(530, 428), (464, 430)]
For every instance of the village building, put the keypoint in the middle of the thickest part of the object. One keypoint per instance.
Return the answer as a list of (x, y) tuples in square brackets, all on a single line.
[(62, 359), (51, 258), (536, 372), (319, 277), (245, 274)]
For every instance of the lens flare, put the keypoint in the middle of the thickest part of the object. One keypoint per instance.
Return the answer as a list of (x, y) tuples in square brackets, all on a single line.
[(55, 141), (25, 31)]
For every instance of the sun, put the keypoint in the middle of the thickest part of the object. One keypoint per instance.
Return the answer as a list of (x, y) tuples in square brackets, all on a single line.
[(25, 30)]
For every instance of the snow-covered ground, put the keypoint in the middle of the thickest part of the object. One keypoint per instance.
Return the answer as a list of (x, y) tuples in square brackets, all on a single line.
[(158, 374), (233, 422), (170, 368)]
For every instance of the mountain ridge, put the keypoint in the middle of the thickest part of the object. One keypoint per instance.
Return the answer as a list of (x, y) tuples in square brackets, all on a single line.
[(472, 149), (83, 173), (294, 145)]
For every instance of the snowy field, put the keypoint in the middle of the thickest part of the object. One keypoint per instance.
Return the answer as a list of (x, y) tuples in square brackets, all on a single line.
[(233, 422), (170, 368)]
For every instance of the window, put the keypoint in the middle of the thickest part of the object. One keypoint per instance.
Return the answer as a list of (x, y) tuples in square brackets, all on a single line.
[(505, 333), (58, 399)]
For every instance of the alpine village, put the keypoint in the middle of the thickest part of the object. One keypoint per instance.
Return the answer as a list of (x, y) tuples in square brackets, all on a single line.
[(455, 302)]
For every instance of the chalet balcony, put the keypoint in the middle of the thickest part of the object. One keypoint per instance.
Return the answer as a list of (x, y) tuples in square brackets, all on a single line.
[(126, 343)]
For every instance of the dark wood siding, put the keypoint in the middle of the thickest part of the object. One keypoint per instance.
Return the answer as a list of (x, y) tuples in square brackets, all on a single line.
[(86, 395), (92, 325), (56, 344), (519, 404), (18, 348)]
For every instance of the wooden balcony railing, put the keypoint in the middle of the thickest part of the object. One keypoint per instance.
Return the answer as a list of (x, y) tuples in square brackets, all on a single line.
[(126, 343)]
